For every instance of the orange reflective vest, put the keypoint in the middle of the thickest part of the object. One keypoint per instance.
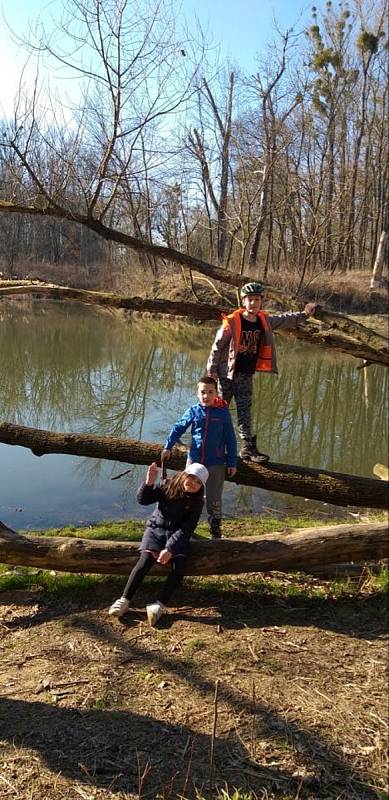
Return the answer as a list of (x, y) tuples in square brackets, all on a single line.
[(265, 360)]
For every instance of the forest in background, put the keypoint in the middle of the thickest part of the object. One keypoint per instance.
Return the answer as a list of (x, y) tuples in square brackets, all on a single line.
[(282, 170)]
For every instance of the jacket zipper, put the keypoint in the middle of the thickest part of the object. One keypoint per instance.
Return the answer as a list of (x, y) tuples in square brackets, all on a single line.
[(205, 437)]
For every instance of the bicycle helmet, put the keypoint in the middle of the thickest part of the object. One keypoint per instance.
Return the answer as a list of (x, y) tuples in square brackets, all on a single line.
[(252, 288)]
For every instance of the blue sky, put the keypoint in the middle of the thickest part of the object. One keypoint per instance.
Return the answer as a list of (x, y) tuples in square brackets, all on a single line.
[(241, 29)]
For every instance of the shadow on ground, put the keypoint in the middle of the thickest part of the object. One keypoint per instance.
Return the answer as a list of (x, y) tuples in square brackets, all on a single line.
[(359, 616)]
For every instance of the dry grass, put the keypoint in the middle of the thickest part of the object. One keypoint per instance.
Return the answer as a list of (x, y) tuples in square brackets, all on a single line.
[(347, 292)]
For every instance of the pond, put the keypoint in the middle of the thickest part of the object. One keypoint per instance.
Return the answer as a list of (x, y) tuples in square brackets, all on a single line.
[(67, 367)]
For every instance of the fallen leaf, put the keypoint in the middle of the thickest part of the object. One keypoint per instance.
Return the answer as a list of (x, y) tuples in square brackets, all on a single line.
[(44, 683)]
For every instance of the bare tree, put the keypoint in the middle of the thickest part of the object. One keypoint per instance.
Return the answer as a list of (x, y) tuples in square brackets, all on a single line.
[(290, 171), (134, 73), (215, 169)]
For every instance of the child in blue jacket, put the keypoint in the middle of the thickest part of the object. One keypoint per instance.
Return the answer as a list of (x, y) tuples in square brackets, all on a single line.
[(213, 444)]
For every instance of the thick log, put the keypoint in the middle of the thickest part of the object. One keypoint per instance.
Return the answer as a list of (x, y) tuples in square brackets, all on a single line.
[(351, 327), (335, 334), (332, 339), (200, 311), (332, 487), (298, 550)]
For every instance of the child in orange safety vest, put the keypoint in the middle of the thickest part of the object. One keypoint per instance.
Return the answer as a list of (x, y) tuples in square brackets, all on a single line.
[(243, 345)]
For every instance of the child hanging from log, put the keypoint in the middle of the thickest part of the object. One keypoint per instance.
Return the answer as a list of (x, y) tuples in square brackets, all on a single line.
[(166, 539)]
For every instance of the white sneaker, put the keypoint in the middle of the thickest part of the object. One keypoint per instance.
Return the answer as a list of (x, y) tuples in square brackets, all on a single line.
[(154, 612), (119, 607)]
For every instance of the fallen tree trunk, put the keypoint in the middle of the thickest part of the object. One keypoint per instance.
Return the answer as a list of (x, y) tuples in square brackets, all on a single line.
[(331, 487), (114, 235), (336, 334), (201, 311), (298, 550), (176, 257)]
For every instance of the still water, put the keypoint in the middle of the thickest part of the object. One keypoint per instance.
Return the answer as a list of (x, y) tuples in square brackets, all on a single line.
[(70, 368)]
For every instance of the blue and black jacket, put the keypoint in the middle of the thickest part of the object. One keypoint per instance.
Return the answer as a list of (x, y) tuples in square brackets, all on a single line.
[(213, 435)]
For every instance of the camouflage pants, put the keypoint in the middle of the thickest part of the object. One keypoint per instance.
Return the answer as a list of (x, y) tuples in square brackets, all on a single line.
[(241, 388)]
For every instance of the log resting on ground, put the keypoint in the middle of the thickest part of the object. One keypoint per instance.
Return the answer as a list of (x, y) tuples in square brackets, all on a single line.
[(284, 552), (316, 484)]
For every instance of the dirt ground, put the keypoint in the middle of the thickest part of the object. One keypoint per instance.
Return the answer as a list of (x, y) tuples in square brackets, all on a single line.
[(93, 707)]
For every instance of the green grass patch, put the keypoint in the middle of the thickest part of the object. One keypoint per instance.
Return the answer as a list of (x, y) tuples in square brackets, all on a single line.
[(293, 585), (196, 644), (50, 581), (380, 582), (132, 530), (128, 531), (233, 794), (260, 525)]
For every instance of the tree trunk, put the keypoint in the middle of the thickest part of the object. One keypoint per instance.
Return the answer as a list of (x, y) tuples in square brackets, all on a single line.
[(299, 550), (368, 345), (331, 487), (376, 278)]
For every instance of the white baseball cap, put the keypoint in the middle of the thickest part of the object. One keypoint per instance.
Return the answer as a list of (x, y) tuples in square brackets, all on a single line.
[(199, 471)]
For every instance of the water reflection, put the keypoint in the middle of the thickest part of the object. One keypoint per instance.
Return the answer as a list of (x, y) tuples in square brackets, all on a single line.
[(66, 367)]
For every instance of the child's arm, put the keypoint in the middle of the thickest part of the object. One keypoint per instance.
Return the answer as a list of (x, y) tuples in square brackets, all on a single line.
[(177, 430), (230, 444), (149, 493), (221, 341), (164, 557), (186, 529), (152, 474), (291, 318)]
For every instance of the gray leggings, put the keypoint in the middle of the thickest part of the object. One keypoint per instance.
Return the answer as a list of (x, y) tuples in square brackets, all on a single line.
[(214, 491)]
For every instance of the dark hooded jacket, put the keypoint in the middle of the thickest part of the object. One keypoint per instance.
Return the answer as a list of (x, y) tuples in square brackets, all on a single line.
[(172, 522)]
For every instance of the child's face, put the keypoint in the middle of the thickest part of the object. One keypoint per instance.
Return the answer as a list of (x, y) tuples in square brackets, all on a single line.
[(192, 484), (206, 393), (252, 303)]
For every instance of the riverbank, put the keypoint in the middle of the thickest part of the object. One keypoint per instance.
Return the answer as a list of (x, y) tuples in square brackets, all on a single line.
[(347, 292), (107, 709)]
